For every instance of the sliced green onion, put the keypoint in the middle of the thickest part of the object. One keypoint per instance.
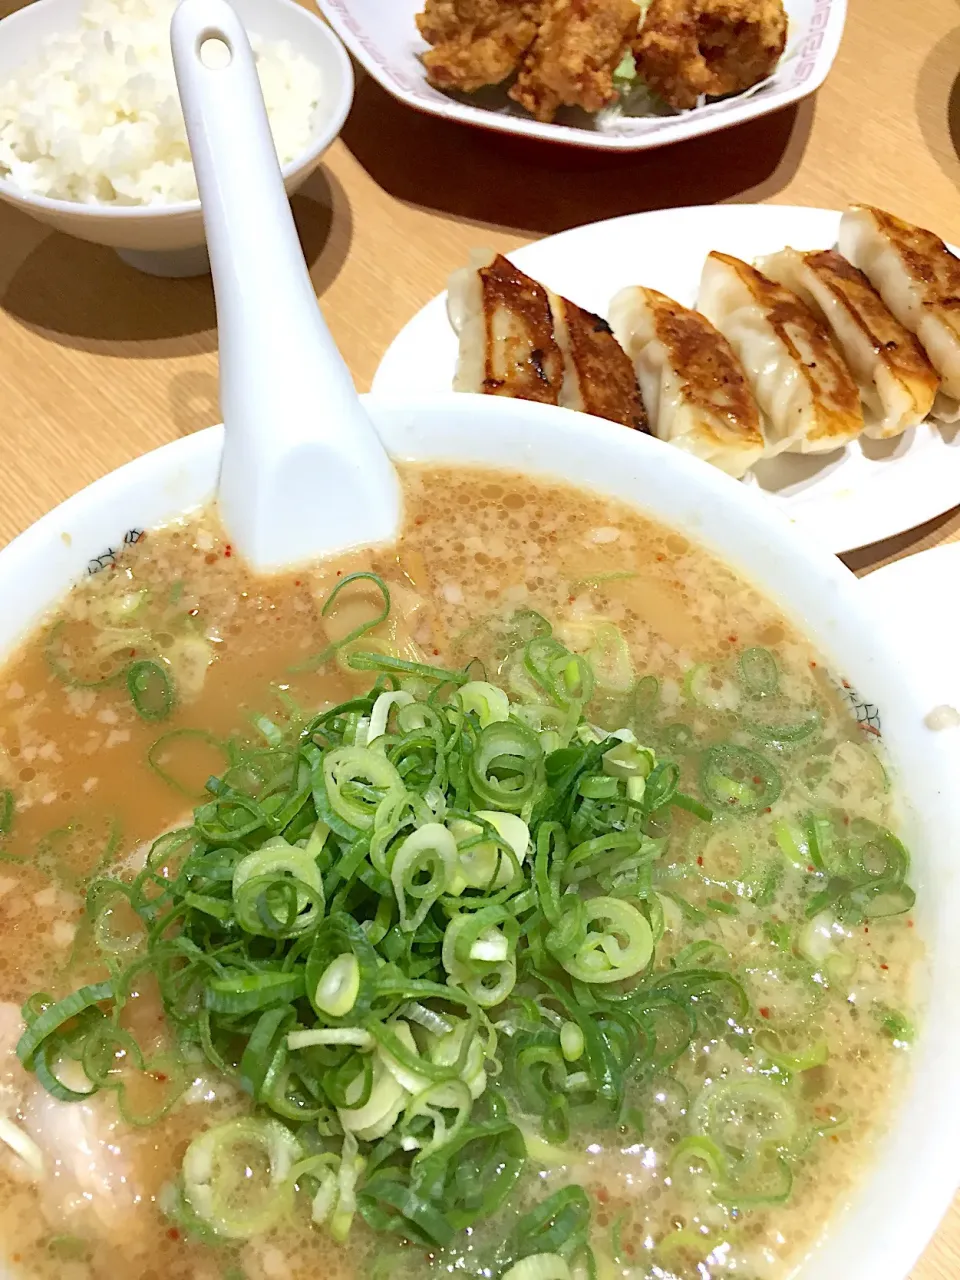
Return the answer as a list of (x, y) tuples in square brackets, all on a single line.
[(324, 656), (758, 672), (558, 1223), (391, 665), (54, 1017), (894, 1024), (740, 1115), (696, 1152), (119, 642), (478, 955), (788, 733), (339, 986), (422, 868), (246, 992), (564, 676), (629, 760), (794, 843), (7, 810), (539, 1266), (486, 701), (175, 743), (763, 1178), (661, 786), (709, 689), (432, 1104), (504, 769), (618, 950), (770, 1044), (571, 1041), (882, 899), (48, 1073), (484, 865), (432, 1021), (397, 922), (323, 1170), (701, 811), (292, 876), (380, 712), (735, 779), (351, 1166), (610, 661), (151, 690), (356, 781), (355, 1036), (703, 952), (218, 1184), (374, 1117), (270, 731), (687, 1244)]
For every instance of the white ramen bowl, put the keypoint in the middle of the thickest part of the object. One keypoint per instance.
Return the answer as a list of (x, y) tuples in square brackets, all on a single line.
[(914, 1167), (168, 239)]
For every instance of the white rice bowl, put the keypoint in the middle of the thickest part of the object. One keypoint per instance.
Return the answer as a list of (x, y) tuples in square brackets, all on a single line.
[(96, 118)]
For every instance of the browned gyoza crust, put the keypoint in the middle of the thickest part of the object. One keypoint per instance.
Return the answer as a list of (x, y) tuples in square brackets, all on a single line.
[(893, 342), (713, 377), (521, 355), (808, 343), (538, 346), (598, 369), (932, 268)]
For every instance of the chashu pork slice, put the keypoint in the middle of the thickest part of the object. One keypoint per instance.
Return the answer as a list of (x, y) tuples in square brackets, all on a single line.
[(693, 385)]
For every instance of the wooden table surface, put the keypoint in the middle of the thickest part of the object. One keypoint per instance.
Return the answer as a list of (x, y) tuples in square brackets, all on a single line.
[(99, 363)]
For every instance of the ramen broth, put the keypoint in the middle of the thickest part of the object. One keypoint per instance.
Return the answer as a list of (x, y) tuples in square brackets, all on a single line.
[(796, 1081)]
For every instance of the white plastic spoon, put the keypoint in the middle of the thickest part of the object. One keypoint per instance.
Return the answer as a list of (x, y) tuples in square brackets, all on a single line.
[(304, 473)]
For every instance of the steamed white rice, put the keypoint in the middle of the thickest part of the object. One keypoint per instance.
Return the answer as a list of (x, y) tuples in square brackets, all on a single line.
[(96, 118)]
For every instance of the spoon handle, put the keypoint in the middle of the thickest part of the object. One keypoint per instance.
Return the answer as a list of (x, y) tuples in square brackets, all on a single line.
[(303, 469)]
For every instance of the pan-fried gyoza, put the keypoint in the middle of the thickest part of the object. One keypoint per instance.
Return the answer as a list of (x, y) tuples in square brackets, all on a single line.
[(693, 384), (919, 279), (507, 343), (808, 398), (518, 339), (598, 375), (801, 352), (898, 384)]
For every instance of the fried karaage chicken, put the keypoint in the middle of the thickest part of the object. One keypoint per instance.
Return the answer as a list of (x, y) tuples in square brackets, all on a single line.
[(476, 42), (572, 61), (690, 48), (566, 51)]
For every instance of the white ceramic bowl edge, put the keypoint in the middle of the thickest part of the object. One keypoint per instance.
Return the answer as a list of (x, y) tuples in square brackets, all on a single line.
[(916, 1163), (168, 239)]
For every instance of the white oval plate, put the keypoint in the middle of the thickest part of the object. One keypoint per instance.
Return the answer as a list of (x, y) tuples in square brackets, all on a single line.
[(917, 599), (385, 41), (845, 499)]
